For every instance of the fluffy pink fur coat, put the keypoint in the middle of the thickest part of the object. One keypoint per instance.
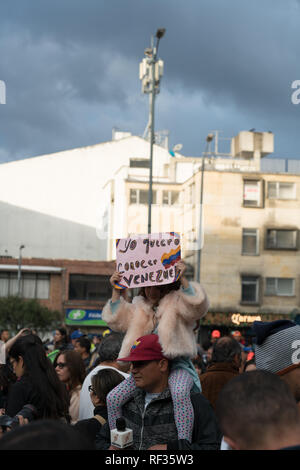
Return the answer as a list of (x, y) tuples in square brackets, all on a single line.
[(176, 315)]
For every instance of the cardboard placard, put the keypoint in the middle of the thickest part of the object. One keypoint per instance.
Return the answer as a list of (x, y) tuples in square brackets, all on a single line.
[(148, 260)]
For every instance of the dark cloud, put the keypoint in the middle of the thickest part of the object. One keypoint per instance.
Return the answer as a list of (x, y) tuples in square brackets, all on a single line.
[(71, 71)]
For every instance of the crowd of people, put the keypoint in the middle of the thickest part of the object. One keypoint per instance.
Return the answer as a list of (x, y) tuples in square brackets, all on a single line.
[(147, 368)]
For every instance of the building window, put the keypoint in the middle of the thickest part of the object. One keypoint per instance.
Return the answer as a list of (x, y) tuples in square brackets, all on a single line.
[(140, 196), (89, 287), (252, 196), (32, 286), (250, 289), (280, 286), (277, 190), (250, 241), (281, 239), (170, 198), (136, 163)]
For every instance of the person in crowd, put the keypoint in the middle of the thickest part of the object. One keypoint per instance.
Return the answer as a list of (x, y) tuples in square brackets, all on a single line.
[(171, 311), (277, 350), (37, 382), (207, 352), (250, 365), (83, 348), (7, 378), (237, 335), (102, 383), (74, 336), (199, 365), (257, 411), (215, 335), (61, 340), (9, 342), (226, 359), (45, 434), (95, 358), (108, 352), (71, 371), (4, 335), (151, 407)]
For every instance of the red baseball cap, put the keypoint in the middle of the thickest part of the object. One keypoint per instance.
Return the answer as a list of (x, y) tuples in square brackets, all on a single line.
[(216, 334), (145, 348)]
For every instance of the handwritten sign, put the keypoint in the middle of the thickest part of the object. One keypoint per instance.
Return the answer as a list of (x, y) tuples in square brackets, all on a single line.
[(148, 260)]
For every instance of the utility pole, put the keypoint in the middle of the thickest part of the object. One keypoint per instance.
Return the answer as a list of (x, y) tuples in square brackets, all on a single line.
[(151, 70), (209, 138), (19, 269)]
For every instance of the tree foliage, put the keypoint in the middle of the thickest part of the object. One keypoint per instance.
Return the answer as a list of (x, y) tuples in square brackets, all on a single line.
[(17, 313)]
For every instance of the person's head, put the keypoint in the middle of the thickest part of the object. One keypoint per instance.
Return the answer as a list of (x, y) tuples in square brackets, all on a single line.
[(97, 339), (45, 435), (83, 346), (149, 366), (27, 354), (277, 350), (154, 293), (236, 335), (258, 411), (199, 365), (102, 383), (109, 349), (28, 359), (75, 335), (226, 349), (60, 336), (4, 335), (70, 368)]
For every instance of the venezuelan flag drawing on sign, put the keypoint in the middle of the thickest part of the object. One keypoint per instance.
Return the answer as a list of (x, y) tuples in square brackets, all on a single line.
[(171, 258)]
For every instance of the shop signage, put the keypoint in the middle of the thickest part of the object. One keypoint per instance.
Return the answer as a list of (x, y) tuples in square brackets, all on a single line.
[(79, 316), (237, 318)]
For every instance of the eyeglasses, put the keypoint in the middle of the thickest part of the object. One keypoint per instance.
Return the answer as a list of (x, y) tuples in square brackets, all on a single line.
[(91, 389), (61, 365)]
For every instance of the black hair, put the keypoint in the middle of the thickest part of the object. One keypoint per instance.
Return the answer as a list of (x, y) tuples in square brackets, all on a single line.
[(110, 347), (248, 363), (84, 343), (42, 376), (252, 407), (164, 289), (45, 435), (104, 381), (225, 349), (7, 378)]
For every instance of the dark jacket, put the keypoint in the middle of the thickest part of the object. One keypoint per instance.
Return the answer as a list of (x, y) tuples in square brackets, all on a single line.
[(216, 376), (91, 427), (23, 393), (156, 424)]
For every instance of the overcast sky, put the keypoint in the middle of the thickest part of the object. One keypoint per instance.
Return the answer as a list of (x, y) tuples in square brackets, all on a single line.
[(71, 72)]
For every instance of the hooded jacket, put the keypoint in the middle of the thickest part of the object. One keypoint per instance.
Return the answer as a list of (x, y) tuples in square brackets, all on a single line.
[(175, 318)]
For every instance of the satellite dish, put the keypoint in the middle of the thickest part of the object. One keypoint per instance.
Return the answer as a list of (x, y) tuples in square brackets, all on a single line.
[(177, 147)]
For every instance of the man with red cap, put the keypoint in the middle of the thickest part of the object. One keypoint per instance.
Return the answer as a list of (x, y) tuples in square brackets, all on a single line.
[(149, 413)]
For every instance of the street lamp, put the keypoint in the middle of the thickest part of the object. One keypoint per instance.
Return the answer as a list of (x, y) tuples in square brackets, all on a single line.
[(209, 138), (151, 70), (19, 269)]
